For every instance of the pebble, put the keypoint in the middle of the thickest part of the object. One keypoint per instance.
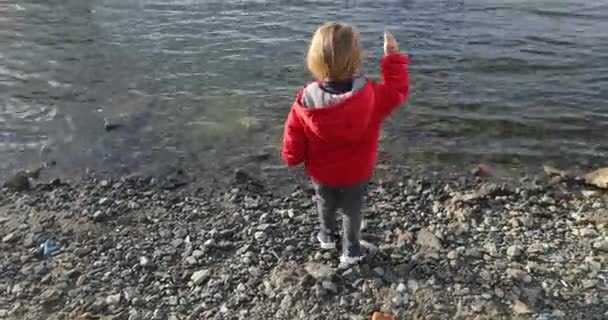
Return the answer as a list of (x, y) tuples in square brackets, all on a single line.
[(453, 255), (379, 271), (158, 315), (145, 262), (521, 308), (113, 300), (474, 253), (588, 232), (401, 288), (319, 271), (428, 239), (260, 236), (11, 237), (514, 252), (286, 302), (200, 276), (134, 315), (98, 216), (81, 252), (330, 286), (601, 245), (197, 254)]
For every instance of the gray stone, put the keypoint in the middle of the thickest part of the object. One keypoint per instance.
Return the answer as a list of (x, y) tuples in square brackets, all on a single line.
[(474, 253), (173, 301), (427, 239), (601, 245), (113, 300), (98, 216), (453, 255), (81, 252), (145, 262), (191, 261), (197, 254), (379, 271), (260, 236), (286, 302), (330, 286), (402, 287), (491, 249), (319, 290), (11, 237), (158, 315), (104, 201), (200, 276), (99, 305), (514, 252), (319, 271), (588, 232), (520, 308)]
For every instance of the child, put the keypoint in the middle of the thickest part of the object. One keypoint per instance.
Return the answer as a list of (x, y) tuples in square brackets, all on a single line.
[(334, 126)]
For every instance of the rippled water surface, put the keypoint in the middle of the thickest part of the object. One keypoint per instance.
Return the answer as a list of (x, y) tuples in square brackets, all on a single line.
[(198, 83)]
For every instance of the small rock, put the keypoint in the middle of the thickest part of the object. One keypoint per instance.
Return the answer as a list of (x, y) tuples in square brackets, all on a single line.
[(520, 308), (99, 305), (427, 239), (103, 201), (379, 271), (158, 315), (81, 252), (601, 245), (197, 254), (260, 236), (11, 237), (98, 216), (330, 286), (146, 263), (473, 253), (588, 232), (499, 292), (134, 315), (401, 288), (453, 255), (514, 252), (173, 301), (191, 261), (113, 300), (286, 302), (319, 271), (491, 249), (200, 276)]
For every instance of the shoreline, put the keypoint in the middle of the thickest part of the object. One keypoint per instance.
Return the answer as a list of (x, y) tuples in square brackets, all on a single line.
[(439, 248)]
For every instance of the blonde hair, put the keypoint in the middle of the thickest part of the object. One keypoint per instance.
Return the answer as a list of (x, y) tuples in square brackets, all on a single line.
[(334, 52)]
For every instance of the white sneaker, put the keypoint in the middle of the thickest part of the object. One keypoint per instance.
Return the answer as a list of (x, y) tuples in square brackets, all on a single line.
[(346, 261), (327, 242)]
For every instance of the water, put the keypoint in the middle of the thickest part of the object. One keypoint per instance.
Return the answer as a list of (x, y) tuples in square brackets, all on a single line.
[(198, 83)]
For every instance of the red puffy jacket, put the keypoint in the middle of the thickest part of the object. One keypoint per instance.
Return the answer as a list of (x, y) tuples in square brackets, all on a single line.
[(339, 143)]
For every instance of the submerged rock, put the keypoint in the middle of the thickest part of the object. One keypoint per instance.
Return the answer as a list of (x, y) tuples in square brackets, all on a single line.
[(18, 182)]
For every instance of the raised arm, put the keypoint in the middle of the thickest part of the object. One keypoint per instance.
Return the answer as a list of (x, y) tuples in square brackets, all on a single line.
[(394, 89)]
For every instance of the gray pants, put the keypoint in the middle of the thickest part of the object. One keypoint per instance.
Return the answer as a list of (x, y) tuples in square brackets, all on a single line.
[(350, 200)]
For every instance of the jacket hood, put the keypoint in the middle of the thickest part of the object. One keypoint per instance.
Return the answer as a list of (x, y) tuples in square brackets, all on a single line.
[(343, 121)]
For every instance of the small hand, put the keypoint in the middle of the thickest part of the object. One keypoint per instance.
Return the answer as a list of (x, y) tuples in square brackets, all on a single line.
[(391, 45)]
